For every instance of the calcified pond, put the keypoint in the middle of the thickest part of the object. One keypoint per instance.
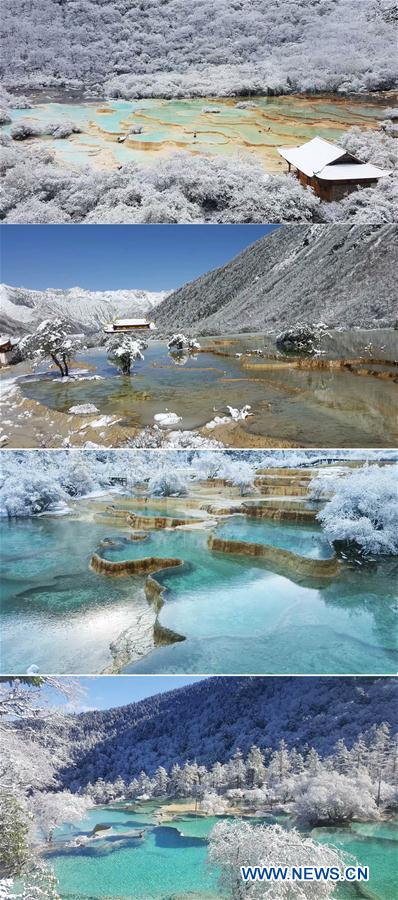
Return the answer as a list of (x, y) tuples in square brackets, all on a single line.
[(140, 856), (210, 583), (200, 126), (341, 398)]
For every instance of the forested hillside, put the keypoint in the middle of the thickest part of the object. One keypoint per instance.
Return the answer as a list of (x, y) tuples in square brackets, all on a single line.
[(340, 275), (208, 721), (235, 45)]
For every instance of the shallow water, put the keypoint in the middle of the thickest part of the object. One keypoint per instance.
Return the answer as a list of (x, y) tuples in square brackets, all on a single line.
[(307, 407), (56, 612), (170, 125), (170, 860), (238, 616)]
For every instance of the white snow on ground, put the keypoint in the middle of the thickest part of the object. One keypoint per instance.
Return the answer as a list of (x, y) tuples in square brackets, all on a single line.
[(167, 418), (83, 409), (103, 421), (235, 415)]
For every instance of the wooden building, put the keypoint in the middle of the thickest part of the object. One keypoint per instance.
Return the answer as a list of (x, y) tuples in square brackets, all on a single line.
[(329, 170), (125, 326), (8, 350)]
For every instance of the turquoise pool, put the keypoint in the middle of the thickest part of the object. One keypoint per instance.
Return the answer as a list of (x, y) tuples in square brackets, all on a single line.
[(237, 615), (170, 860), (170, 125)]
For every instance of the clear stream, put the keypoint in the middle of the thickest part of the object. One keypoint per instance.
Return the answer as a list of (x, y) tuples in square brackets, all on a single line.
[(169, 860), (238, 616), (328, 408)]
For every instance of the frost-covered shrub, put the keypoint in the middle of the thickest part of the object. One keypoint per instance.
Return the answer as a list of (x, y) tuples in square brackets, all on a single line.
[(174, 48), (29, 493), (178, 188), (371, 146), (51, 809), (77, 477), (363, 511), (167, 483), (212, 804), (334, 799), (37, 212), (236, 844), (377, 204), (301, 338), (5, 117), (179, 343), (123, 350), (26, 129)]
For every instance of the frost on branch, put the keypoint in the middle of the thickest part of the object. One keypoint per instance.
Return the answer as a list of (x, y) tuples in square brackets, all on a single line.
[(167, 483), (181, 344), (362, 514), (52, 339), (123, 350), (331, 798), (178, 188), (26, 129), (236, 844), (52, 809), (202, 49)]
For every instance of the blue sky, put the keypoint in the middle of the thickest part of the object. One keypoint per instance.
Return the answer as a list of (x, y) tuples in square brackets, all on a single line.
[(111, 257), (103, 692)]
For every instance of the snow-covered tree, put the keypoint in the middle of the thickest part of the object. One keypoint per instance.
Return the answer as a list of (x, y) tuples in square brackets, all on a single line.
[(212, 804), (55, 808), (167, 483), (255, 768), (179, 343), (237, 770), (123, 350), (363, 511), (39, 882), (161, 781), (334, 799), (52, 339), (15, 826), (236, 844)]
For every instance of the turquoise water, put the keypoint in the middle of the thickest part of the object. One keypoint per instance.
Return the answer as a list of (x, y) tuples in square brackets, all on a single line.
[(159, 865), (56, 612), (303, 540), (169, 125), (238, 616), (170, 859), (165, 511), (308, 407)]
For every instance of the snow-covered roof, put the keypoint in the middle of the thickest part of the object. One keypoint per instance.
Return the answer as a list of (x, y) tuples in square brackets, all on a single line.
[(123, 322), (346, 171), (319, 157)]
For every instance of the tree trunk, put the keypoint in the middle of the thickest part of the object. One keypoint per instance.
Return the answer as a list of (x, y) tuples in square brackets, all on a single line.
[(57, 363), (66, 367)]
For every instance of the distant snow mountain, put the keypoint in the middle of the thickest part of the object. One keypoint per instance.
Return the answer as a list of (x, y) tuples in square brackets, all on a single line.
[(22, 309), (209, 720), (341, 274)]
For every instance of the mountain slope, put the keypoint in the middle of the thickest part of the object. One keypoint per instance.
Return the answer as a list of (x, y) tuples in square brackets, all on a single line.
[(22, 309), (208, 720), (341, 274)]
